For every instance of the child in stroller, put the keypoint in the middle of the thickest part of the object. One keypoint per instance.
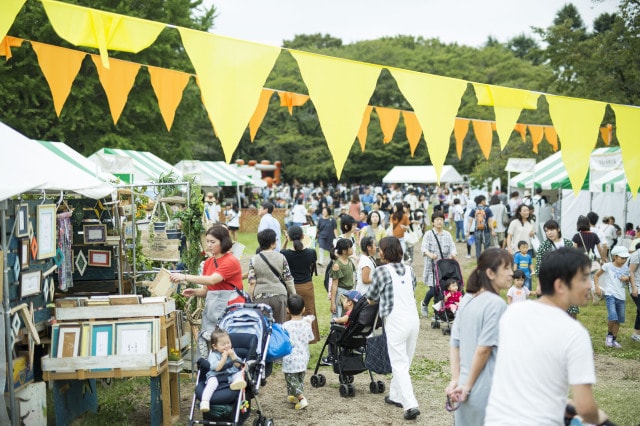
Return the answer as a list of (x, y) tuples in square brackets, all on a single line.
[(249, 329), (223, 361), (447, 274), (347, 349)]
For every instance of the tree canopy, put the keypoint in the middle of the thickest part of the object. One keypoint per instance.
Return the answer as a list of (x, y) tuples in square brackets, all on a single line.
[(570, 60)]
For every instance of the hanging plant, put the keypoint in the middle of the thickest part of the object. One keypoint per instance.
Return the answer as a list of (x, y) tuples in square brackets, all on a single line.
[(192, 227)]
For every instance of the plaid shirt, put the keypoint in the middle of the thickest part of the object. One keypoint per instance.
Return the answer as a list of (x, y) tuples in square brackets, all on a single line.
[(381, 288)]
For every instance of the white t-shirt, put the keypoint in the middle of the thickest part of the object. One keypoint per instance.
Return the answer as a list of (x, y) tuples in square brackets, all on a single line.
[(542, 352), (365, 261), (610, 282), (299, 213), (518, 294)]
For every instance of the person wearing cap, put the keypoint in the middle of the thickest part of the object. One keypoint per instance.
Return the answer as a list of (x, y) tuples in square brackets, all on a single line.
[(610, 281), (348, 300), (211, 211)]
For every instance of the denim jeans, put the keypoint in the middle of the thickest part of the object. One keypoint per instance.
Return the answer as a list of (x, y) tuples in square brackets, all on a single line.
[(483, 238)]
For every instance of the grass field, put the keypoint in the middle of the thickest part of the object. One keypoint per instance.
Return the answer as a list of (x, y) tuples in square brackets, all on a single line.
[(618, 394)]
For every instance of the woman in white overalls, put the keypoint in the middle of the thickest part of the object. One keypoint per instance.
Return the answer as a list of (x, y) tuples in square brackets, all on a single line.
[(393, 287)]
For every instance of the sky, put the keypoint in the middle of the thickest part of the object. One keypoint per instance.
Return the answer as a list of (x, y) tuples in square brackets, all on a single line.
[(466, 22)]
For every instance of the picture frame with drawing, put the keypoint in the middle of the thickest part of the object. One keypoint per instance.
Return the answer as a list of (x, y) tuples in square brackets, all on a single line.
[(101, 258), (134, 338), (46, 221), (94, 234), (30, 283), (22, 220)]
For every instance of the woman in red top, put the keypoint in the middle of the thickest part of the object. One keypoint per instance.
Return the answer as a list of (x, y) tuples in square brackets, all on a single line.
[(221, 279)]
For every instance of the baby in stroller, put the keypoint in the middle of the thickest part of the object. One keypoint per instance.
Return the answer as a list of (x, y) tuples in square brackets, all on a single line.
[(452, 296), (447, 293), (222, 361)]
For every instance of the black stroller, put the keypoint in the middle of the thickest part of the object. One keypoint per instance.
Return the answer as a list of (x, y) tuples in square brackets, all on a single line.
[(249, 328), (444, 270), (347, 350)]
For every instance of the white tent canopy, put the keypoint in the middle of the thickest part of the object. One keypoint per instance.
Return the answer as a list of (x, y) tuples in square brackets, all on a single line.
[(212, 173), (31, 166), (133, 167), (421, 174)]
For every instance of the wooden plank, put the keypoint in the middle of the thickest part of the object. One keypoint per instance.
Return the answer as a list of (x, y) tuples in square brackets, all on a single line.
[(123, 362), (116, 311)]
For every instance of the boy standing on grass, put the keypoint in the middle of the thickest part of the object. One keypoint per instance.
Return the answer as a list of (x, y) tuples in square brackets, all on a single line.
[(294, 365), (523, 261), (611, 281)]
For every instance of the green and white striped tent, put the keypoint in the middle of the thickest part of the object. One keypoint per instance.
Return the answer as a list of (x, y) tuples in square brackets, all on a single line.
[(78, 160), (133, 167), (213, 173), (614, 181), (550, 173)]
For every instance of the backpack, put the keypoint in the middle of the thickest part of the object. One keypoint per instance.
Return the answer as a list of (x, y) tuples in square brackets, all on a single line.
[(481, 219), (327, 275)]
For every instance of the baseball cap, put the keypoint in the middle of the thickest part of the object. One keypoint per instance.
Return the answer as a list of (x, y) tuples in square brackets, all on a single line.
[(620, 251), (353, 295)]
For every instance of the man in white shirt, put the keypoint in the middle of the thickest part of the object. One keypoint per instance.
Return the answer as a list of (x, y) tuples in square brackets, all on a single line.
[(542, 351), (211, 211), (267, 221)]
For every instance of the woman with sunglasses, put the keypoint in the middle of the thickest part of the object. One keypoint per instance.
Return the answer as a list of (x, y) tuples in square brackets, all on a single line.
[(221, 279), (474, 337)]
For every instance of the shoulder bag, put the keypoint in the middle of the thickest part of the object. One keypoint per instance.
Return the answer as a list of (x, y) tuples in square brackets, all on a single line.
[(275, 272), (595, 265), (377, 354)]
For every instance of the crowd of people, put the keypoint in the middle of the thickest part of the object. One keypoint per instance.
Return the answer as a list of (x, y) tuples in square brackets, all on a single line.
[(366, 236)]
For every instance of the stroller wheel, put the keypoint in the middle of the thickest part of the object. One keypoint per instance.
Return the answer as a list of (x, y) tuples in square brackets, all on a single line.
[(315, 381), (433, 324), (437, 325), (344, 392), (373, 387), (349, 379), (381, 386), (446, 331), (268, 422), (351, 390), (258, 422), (342, 379), (323, 380)]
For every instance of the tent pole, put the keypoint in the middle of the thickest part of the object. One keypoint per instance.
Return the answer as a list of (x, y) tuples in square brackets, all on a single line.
[(7, 319)]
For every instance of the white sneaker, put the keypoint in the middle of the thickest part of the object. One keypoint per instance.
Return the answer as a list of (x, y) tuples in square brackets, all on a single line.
[(238, 385), (609, 341), (635, 337), (302, 404), (292, 399), (468, 256), (616, 344), (424, 310), (204, 406)]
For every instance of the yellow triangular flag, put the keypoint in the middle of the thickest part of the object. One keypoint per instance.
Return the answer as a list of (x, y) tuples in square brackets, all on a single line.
[(412, 130), (231, 74), (627, 130), (389, 119), (340, 90), (435, 100), (8, 12), (83, 26), (577, 122), (362, 132), (117, 82), (60, 67), (260, 112), (168, 85), (507, 104)]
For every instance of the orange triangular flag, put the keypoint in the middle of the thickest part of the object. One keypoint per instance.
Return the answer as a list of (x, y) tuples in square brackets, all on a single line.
[(290, 100), (460, 130), (606, 133), (168, 86), (484, 135), (551, 136), (260, 112), (117, 82), (537, 133), (413, 130), (362, 133), (60, 67), (7, 43), (522, 129), (389, 118)]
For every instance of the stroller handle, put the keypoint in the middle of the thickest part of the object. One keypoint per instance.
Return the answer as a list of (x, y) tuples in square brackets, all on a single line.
[(266, 309)]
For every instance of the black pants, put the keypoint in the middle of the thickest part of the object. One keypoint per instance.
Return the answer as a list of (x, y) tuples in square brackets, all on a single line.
[(636, 300), (430, 294)]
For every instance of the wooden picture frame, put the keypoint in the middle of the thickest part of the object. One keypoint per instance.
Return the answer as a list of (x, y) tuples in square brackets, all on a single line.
[(69, 341), (22, 220), (30, 283), (101, 258), (94, 234), (25, 253), (46, 231), (134, 338)]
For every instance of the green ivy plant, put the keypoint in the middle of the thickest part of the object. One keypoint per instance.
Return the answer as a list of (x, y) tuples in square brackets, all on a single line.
[(192, 227)]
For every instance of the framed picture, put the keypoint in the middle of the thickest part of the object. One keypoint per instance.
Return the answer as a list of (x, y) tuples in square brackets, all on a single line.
[(69, 341), (46, 231), (128, 229), (100, 258), (30, 283), (102, 339), (134, 338), (95, 234), (24, 253), (22, 220)]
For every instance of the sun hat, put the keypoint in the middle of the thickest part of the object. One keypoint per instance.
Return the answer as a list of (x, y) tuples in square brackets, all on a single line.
[(620, 251)]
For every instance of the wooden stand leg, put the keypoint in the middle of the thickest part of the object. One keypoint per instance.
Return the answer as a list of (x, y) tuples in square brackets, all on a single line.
[(72, 398), (174, 384)]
